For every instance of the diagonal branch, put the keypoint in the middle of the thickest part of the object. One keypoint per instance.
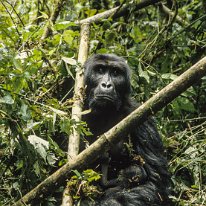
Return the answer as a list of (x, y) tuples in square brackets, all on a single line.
[(89, 155)]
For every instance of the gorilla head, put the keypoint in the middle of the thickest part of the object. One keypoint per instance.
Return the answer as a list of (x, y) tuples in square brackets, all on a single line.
[(107, 80)]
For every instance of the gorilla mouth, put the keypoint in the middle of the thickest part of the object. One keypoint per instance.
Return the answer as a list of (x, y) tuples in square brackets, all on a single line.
[(104, 97), (103, 103)]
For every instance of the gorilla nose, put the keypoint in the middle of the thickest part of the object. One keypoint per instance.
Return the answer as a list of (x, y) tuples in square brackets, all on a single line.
[(106, 85)]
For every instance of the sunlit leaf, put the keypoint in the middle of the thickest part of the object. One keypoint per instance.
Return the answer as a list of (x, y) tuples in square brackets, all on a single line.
[(70, 61), (40, 145), (169, 76), (57, 111), (7, 100)]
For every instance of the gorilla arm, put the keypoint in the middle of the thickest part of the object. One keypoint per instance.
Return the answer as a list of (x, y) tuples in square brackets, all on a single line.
[(148, 145), (126, 177)]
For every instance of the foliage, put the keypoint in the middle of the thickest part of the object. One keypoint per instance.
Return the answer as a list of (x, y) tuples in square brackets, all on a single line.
[(81, 185), (37, 77)]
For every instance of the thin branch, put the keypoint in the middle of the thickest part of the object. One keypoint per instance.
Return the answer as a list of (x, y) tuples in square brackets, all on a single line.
[(11, 18), (117, 11), (89, 155), (53, 18), (13, 8), (170, 13)]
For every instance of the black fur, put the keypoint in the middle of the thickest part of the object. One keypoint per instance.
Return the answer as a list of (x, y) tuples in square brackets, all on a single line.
[(138, 175)]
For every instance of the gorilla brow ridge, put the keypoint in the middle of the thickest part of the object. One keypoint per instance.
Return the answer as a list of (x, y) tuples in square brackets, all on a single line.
[(111, 65), (112, 60)]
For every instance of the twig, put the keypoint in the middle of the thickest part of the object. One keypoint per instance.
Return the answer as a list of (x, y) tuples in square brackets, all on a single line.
[(167, 11), (11, 17)]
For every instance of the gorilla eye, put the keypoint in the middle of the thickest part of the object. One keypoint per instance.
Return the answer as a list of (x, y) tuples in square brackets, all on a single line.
[(99, 70), (115, 72)]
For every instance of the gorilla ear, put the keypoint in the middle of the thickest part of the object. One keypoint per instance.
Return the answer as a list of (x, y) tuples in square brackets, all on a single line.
[(86, 70), (87, 66)]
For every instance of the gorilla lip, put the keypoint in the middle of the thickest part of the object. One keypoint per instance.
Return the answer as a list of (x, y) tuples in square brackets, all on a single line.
[(99, 97)]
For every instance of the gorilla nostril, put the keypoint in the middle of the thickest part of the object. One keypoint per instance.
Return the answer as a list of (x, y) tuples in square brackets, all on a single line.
[(104, 85), (109, 85)]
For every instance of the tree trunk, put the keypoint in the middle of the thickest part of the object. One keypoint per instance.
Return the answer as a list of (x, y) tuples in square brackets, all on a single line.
[(74, 139)]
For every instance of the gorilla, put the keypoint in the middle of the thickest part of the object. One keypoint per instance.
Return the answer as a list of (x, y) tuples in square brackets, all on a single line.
[(134, 171)]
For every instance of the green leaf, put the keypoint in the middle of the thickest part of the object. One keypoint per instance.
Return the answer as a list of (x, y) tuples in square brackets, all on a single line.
[(195, 187), (90, 175), (44, 15), (17, 64), (37, 54), (19, 164), (65, 125), (106, 25), (91, 12), (77, 173), (69, 36), (37, 169), (32, 125), (51, 159), (185, 104), (169, 76), (143, 74), (110, 36), (63, 25), (24, 112), (136, 34)]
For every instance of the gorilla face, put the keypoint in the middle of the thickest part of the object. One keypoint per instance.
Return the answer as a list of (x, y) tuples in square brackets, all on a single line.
[(107, 80)]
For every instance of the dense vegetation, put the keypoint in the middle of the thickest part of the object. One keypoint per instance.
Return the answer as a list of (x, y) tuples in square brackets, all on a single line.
[(37, 77)]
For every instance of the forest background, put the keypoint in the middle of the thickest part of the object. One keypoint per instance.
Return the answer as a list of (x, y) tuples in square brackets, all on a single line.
[(37, 70)]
